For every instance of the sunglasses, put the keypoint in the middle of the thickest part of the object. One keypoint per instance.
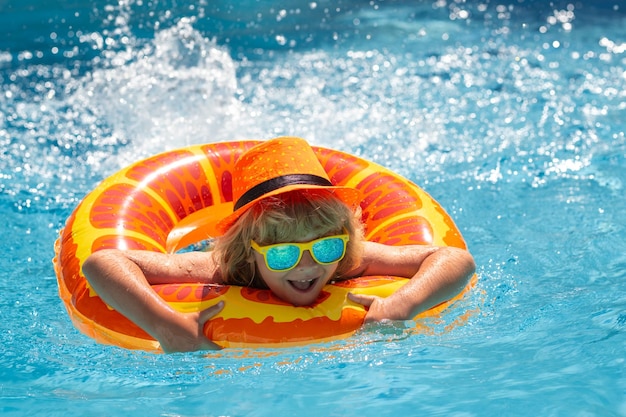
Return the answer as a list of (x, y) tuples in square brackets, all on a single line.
[(283, 257)]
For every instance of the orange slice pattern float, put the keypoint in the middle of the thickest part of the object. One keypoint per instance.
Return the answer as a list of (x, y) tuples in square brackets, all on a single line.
[(168, 201)]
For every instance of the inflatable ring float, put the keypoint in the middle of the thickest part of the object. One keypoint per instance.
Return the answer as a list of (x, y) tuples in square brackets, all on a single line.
[(171, 201)]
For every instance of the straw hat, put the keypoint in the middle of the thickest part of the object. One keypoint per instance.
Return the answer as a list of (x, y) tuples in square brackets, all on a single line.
[(275, 167)]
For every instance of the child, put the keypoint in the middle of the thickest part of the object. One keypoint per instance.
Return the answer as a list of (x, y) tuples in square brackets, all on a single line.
[(291, 231)]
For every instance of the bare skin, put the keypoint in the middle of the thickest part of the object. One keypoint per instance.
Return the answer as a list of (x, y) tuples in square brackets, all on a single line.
[(436, 274), (123, 278)]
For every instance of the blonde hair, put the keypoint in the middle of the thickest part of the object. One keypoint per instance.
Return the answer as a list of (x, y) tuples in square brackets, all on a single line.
[(286, 218)]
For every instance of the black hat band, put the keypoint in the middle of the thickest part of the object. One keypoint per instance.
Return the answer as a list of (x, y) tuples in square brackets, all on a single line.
[(272, 184)]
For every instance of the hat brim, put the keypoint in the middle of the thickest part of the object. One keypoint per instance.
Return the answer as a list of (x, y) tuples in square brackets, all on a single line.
[(350, 196)]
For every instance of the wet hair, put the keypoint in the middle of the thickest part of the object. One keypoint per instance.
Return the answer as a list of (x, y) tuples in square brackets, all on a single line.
[(287, 218)]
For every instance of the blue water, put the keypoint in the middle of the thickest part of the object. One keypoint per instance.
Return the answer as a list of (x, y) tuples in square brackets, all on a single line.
[(510, 113)]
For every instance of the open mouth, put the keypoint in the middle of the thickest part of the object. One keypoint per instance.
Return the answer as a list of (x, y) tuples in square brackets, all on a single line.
[(303, 285)]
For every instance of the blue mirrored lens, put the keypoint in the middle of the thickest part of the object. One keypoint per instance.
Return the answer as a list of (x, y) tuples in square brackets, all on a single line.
[(328, 250), (282, 257)]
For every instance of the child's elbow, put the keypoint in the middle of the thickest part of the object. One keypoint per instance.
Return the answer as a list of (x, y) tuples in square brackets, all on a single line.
[(469, 263), (464, 262), (98, 261)]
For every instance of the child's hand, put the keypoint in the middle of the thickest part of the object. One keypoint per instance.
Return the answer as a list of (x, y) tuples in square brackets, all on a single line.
[(186, 334), (377, 308)]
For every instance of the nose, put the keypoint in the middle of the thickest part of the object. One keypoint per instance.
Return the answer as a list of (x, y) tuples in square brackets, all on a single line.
[(306, 260)]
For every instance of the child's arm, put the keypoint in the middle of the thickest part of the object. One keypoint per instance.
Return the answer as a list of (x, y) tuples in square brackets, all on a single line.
[(436, 274), (122, 279)]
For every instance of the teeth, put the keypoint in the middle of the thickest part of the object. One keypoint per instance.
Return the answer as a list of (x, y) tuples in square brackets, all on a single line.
[(303, 284)]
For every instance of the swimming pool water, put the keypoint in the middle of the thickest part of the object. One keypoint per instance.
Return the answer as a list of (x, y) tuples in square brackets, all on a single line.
[(511, 114)]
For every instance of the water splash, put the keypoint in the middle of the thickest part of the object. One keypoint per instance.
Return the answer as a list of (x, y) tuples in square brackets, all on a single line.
[(173, 91), (59, 126)]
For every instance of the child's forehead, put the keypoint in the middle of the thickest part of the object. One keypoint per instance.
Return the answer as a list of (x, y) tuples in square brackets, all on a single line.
[(305, 237), (298, 232)]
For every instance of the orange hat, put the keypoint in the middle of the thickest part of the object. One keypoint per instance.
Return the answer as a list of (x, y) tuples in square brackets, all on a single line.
[(278, 166)]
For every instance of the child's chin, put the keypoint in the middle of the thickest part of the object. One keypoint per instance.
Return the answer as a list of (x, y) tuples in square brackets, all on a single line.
[(304, 299)]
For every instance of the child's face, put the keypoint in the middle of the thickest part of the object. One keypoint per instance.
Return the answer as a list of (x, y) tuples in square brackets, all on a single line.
[(301, 285)]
